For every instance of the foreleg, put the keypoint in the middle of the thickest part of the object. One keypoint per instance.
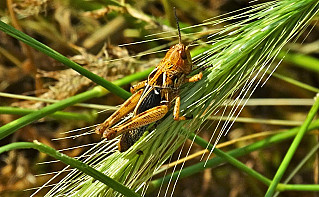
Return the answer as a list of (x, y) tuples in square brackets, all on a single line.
[(176, 110), (194, 78)]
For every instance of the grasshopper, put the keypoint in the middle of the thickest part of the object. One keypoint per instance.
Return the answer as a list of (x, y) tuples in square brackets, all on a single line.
[(152, 98)]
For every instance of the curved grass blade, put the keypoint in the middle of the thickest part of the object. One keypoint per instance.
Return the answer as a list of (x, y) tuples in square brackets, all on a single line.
[(73, 163)]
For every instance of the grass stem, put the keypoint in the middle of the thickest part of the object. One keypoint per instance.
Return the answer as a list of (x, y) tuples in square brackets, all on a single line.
[(292, 149)]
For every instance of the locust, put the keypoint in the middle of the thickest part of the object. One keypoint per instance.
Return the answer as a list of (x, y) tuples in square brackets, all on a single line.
[(152, 98)]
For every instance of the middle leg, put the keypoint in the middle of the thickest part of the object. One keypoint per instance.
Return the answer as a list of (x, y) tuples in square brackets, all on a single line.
[(176, 109)]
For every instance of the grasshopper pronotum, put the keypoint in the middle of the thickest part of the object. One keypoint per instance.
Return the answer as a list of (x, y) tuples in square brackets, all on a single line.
[(153, 97)]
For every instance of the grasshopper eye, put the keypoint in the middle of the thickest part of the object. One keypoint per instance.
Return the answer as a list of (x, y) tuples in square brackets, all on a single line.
[(183, 54)]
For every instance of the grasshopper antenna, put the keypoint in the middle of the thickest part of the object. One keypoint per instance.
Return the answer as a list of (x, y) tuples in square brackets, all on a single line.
[(179, 32), (178, 29)]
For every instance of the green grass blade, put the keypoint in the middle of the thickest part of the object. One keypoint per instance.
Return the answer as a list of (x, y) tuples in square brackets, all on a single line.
[(296, 83), (234, 153), (299, 166), (292, 149), (301, 60), (58, 115), (200, 141), (57, 56), (33, 98), (251, 172), (27, 119), (297, 187), (73, 163)]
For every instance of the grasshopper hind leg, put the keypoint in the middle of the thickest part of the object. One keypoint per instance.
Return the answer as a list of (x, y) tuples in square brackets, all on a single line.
[(127, 107)]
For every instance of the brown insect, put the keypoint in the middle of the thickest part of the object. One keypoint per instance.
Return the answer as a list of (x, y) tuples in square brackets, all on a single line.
[(152, 98)]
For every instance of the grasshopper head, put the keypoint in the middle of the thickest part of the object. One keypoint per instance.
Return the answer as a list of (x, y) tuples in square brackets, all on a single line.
[(176, 63), (179, 59)]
